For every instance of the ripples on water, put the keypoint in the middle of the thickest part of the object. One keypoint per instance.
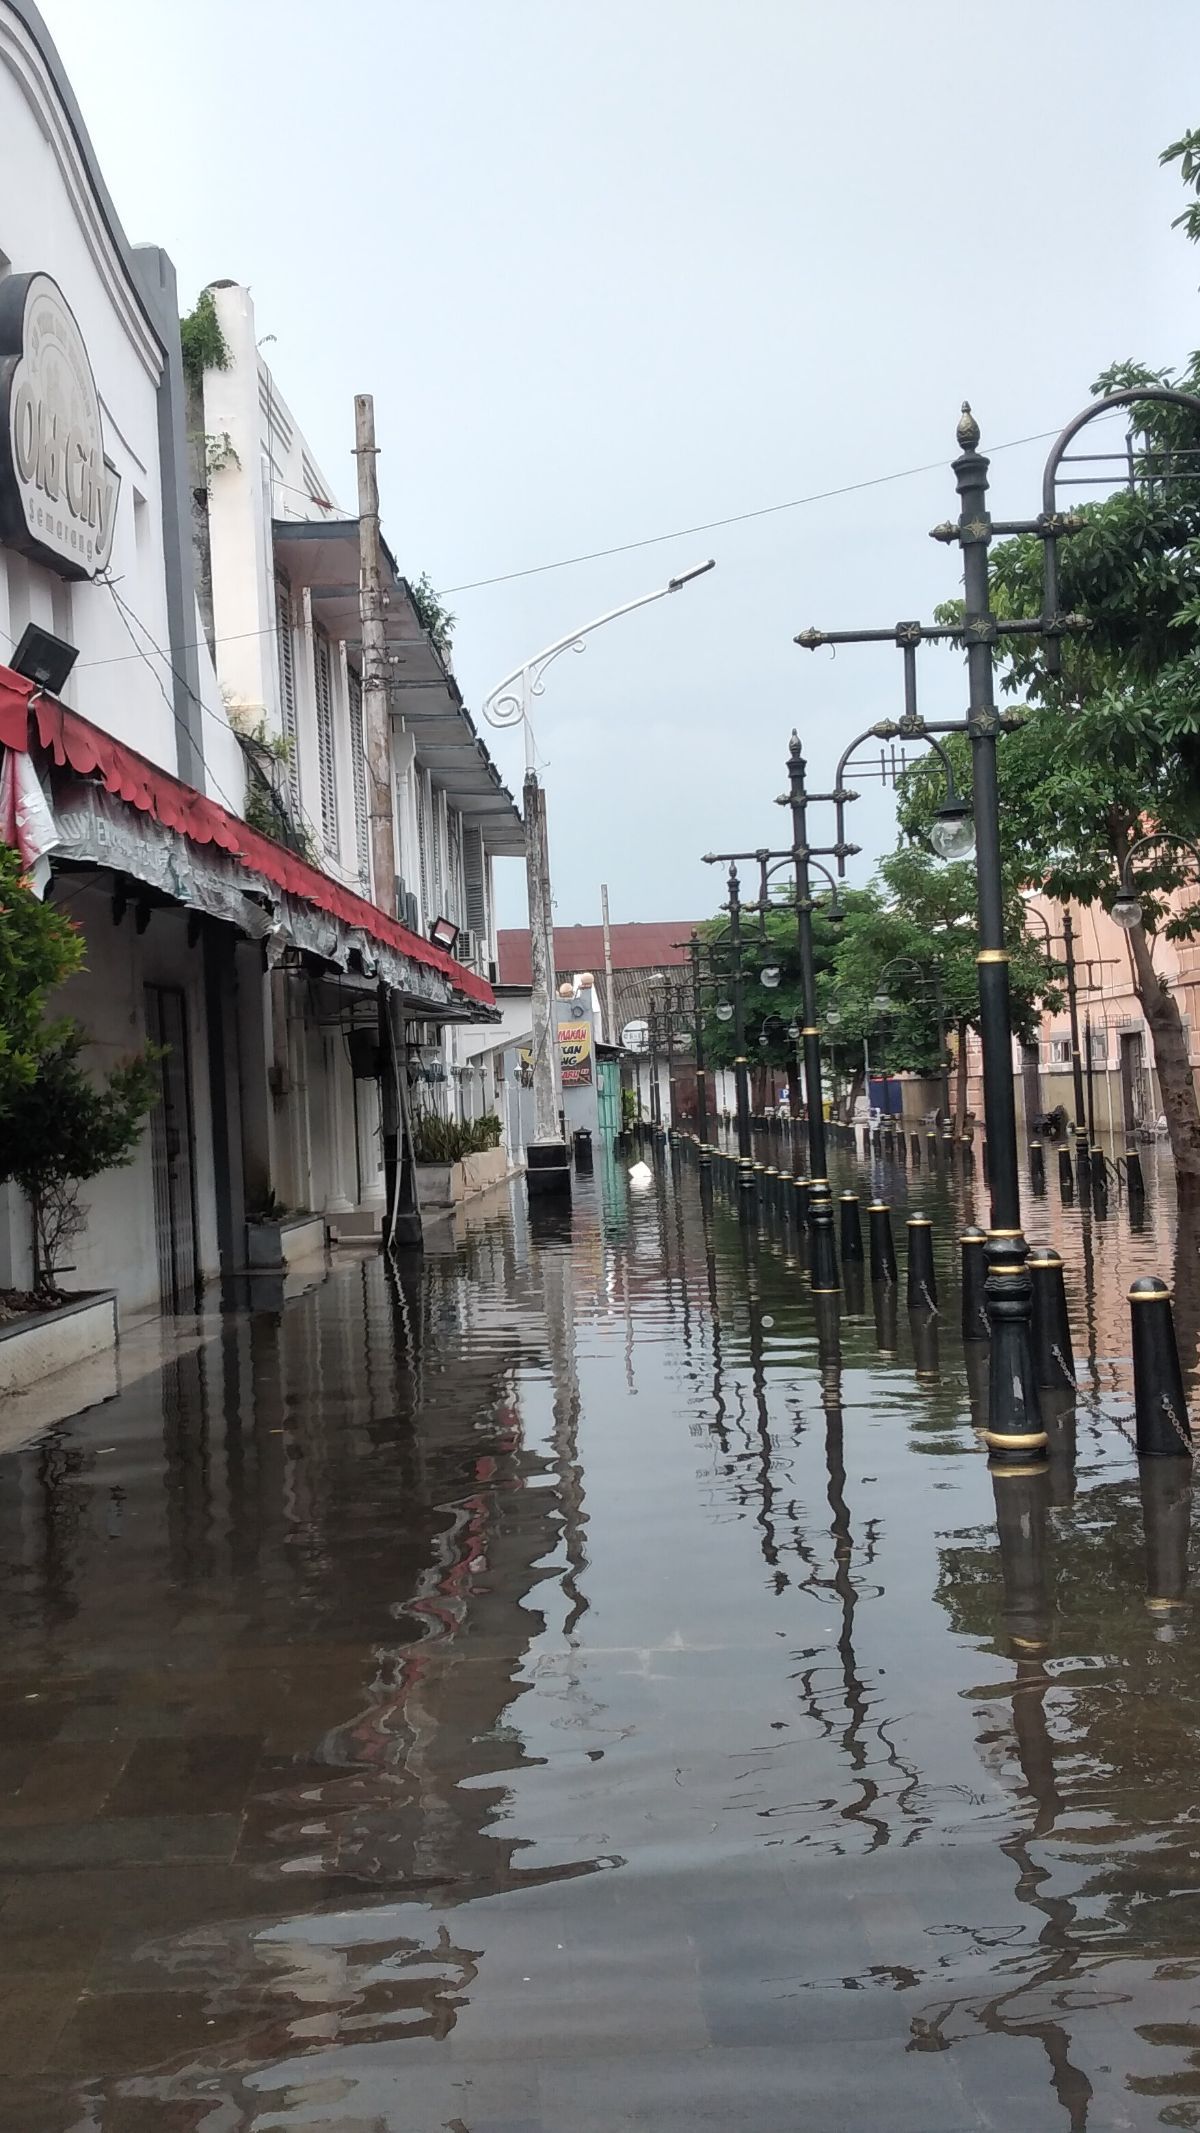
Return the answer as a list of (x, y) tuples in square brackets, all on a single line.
[(581, 1686)]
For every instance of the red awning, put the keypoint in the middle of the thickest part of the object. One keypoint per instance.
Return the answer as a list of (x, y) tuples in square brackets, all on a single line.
[(71, 740)]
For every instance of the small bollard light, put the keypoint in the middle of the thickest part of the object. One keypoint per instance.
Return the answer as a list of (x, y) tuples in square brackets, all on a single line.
[(883, 1249), (1163, 1428), (976, 1325), (851, 1227), (1053, 1358), (922, 1281)]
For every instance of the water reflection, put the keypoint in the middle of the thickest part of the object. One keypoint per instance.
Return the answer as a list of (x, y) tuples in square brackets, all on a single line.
[(586, 1680)]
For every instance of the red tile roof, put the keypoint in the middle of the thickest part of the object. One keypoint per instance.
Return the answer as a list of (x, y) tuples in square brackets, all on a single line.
[(648, 946)]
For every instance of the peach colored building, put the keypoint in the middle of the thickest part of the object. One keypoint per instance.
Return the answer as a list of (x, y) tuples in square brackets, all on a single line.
[(1124, 1084)]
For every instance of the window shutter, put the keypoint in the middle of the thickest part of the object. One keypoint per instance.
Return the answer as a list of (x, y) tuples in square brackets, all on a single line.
[(362, 829), (454, 894), (287, 682), (473, 883), (423, 845), (325, 752)]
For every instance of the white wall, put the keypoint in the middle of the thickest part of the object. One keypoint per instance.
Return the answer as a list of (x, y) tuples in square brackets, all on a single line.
[(49, 221), (118, 1250)]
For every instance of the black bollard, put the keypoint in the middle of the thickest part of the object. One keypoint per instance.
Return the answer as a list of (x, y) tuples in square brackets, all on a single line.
[(771, 1189), (968, 1159), (1163, 1428), (922, 1281), (822, 1246), (1100, 1198), (931, 1149), (1053, 1358), (1037, 1170), (877, 1142), (883, 1250), (1066, 1174), (885, 1297), (976, 1326), (901, 1147), (1058, 1421), (851, 1227), (1133, 1174), (866, 1140), (1166, 1493), (889, 1144), (916, 1151), (800, 1195)]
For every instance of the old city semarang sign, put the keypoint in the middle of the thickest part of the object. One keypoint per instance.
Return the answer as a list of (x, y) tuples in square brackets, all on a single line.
[(58, 495)]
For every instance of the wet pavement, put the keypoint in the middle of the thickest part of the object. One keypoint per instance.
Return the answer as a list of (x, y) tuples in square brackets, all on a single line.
[(581, 1688)]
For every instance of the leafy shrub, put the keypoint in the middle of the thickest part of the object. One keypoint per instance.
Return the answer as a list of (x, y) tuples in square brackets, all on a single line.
[(445, 1140)]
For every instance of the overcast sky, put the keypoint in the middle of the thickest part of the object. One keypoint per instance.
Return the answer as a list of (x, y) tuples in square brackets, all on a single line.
[(611, 272)]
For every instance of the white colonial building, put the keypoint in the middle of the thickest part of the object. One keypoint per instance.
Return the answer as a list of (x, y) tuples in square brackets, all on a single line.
[(222, 882)]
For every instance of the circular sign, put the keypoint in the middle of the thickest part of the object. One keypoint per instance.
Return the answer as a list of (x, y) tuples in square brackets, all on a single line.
[(635, 1037)]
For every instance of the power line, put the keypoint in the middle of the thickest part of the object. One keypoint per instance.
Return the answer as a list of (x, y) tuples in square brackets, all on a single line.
[(738, 518), (128, 617)]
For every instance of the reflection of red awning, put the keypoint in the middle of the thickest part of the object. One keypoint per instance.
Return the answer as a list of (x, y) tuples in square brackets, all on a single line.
[(72, 740)]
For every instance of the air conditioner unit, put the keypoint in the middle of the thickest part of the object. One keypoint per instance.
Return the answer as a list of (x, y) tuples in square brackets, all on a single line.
[(467, 949)]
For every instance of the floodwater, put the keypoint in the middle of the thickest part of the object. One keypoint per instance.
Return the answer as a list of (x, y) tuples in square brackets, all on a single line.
[(577, 1689)]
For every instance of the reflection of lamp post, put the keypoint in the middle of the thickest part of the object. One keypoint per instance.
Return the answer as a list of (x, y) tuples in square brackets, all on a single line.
[(509, 704)]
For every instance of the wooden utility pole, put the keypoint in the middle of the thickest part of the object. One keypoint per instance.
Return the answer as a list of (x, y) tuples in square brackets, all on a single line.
[(377, 734), (402, 1220)]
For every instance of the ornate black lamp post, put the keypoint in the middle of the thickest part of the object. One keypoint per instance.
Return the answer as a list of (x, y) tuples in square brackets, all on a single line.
[(729, 938), (930, 977), (803, 857), (1066, 939), (694, 947), (1015, 1435)]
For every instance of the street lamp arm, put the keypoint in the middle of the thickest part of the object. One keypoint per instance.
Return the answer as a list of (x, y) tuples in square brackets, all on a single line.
[(508, 703), (1143, 844), (1129, 396)]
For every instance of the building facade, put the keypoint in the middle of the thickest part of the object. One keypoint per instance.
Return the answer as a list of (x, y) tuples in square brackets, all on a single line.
[(256, 961)]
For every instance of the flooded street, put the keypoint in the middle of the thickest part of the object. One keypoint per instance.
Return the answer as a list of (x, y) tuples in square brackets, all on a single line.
[(581, 1688)]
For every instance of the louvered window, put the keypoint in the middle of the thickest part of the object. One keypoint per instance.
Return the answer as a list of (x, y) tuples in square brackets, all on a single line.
[(454, 868), (358, 758), (427, 916), (287, 683), (323, 668), (474, 883)]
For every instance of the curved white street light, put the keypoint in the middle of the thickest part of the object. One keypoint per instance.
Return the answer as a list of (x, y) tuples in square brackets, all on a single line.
[(508, 704)]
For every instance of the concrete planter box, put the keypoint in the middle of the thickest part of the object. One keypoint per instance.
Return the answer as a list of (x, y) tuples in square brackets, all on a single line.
[(36, 1346), (272, 1243), (449, 1184)]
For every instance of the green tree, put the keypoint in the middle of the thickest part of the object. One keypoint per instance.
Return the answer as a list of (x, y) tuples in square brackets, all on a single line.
[(39, 947), (921, 917), (61, 1128)]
